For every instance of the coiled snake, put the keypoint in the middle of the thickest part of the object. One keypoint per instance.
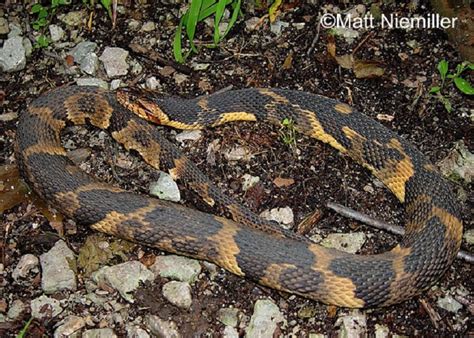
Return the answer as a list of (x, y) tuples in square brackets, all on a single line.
[(246, 246)]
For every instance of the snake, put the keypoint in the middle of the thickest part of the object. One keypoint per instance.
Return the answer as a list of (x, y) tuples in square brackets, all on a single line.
[(242, 243)]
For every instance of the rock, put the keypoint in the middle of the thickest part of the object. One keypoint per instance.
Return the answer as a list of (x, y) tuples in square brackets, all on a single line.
[(27, 263), (73, 18), (230, 332), (381, 331), (350, 243), (236, 153), (115, 84), (352, 325), (45, 307), (346, 33), (5, 117), (277, 27), (92, 81), (136, 67), (449, 304), (252, 23), (148, 26), (69, 325), (133, 24), (114, 60), (188, 135), (283, 216), (162, 328), (459, 164), (469, 236), (357, 11), (124, 278), (56, 267), (263, 323), (134, 331), (99, 333), (228, 316), (165, 188), (90, 63), (16, 309), (200, 66), (15, 30), (13, 55), (248, 181), (307, 311), (178, 293), (176, 267), (166, 71), (27, 46), (56, 32), (4, 26), (81, 50), (179, 78), (152, 83)]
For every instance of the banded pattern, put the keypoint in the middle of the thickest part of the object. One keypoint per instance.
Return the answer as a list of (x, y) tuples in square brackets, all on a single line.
[(246, 246)]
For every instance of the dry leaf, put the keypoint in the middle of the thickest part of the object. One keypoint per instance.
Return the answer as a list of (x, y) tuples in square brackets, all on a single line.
[(288, 61), (283, 182), (345, 61), (367, 69)]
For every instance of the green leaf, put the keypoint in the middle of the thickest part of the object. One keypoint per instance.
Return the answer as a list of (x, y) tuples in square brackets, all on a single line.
[(435, 89), (464, 86), (36, 8), (443, 69), (42, 41), (23, 331), (470, 66), (233, 18), (177, 47), (217, 19), (193, 15), (272, 11), (107, 4)]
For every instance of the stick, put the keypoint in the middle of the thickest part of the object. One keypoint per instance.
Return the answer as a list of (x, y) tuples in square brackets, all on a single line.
[(394, 229)]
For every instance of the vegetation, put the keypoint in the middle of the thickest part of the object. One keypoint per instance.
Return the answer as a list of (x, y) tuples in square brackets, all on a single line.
[(288, 132)]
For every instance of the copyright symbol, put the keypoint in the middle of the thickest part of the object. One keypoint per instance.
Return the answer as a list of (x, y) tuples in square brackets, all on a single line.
[(328, 21)]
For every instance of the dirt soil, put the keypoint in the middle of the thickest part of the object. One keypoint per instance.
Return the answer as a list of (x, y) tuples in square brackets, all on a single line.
[(257, 58)]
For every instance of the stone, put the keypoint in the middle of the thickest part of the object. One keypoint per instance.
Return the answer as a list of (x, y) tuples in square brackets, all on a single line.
[(13, 55), (249, 181), (277, 27), (162, 328), (15, 30), (459, 164), (353, 324), (69, 325), (90, 63), (381, 331), (148, 26), (134, 331), (230, 332), (115, 61), (81, 50), (265, 318), (4, 29), (283, 216), (469, 236), (16, 309), (56, 33), (99, 333), (152, 83), (125, 277), (449, 304), (45, 307), (176, 267), (228, 316), (27, 263), (92, 81), (165, 188), (56, 267), (351, 242), (73, 18), (178, 293), (115, 84), (189, 135)]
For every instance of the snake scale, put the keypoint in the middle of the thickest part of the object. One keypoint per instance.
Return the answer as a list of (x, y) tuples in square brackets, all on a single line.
[(246, 245)]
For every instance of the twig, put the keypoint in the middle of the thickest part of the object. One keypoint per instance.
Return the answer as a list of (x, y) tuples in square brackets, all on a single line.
[(364, 40), (432, 313), (394, 229), (316, 38), (154, 56)]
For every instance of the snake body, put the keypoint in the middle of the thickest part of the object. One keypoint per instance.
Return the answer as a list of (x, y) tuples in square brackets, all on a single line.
[(246, 246)]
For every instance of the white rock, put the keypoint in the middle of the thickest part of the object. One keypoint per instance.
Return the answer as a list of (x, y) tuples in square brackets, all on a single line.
[(162, 328), (188, 135), (277, 27), (449, 304), (350, 243), (90, 63), (263, 323), (13, 55), (92, 81), (115, 84), (115, 61), (45, 307), (178, 293), (165, 188), (56, 267), (352, 325), (56, 32), (177, 267), (124, 278), (15, 30), (81, 50), (248, 181), (469, 236), (133, 24), (237, 153), (148, 26), (152, 83), (4, 26), (381, 331), (73, 18), (281, 215), (251, 24), (179, 78), (16, 309), (134, 331), (69, 325), (228, 316), (27, 263), (99, 333), (230, 332)]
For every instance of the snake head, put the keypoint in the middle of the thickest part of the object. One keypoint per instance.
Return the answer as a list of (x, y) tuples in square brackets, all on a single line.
[(143, 103)]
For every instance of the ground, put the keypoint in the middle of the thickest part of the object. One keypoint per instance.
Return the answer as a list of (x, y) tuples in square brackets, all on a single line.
[(297, 57)]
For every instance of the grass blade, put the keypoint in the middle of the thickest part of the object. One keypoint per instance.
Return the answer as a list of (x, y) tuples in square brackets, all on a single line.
[(193, 16), (233, 18), (217, 19)]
